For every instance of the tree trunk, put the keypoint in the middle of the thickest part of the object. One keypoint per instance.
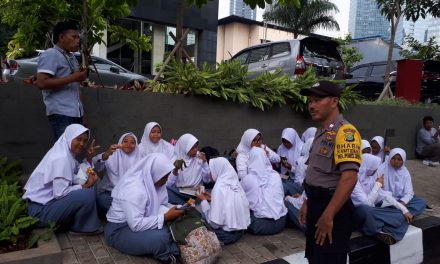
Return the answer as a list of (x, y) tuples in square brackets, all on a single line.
[(179, 27), (386, 92)]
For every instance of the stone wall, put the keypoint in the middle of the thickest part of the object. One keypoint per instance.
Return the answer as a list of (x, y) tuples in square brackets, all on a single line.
[(25, 132)]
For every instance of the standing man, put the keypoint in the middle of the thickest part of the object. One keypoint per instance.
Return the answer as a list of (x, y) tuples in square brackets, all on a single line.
[(331, 175), (59, 76), (428, 142)]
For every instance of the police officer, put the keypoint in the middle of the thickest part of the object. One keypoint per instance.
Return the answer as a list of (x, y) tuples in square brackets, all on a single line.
[(334, 160)]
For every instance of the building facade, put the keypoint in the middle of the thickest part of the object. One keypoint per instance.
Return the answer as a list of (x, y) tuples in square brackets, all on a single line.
[(239, 8), (366, 20), (157, 19), (434, 29), (236, 33)]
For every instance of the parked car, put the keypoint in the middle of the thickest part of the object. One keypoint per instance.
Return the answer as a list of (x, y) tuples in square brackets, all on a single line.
[(112, 74), (370, 78), (293, 57)]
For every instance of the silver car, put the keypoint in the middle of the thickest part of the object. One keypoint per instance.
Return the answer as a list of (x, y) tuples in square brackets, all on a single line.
[(293, 57), (112, 74)]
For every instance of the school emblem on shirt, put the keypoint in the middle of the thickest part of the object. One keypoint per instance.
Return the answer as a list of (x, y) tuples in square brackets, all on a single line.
[(323, 151), (349, 134)]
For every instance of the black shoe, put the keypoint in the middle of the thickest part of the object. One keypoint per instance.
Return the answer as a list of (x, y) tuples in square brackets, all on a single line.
[(429, 208), (386, 238)]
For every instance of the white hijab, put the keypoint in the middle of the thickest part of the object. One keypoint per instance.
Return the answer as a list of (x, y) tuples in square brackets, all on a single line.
[(137, 184), (147, 147), (191, 176), (59, 161), (263, 187), (395, 180), (229, 205), (246, 141), (366, 174), (381, 142), (301, 167), (119, 163), (294, 152), (309, 133), (365, 144)]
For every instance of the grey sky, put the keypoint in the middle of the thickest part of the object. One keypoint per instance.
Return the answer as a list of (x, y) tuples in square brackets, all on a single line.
[(341, 17)]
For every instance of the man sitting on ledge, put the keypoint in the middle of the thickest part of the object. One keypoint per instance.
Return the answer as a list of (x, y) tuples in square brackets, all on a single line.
[(428, 145)]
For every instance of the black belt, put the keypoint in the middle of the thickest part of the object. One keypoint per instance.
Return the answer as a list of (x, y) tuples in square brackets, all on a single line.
[(318, 191)]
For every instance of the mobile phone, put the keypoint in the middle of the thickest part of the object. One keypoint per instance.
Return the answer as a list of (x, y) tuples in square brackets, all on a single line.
[(183, 207)]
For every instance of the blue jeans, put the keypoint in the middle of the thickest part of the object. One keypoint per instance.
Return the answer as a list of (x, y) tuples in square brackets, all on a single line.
[(60, 122)]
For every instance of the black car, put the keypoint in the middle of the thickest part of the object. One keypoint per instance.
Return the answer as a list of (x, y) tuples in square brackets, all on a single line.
[(370, 78)]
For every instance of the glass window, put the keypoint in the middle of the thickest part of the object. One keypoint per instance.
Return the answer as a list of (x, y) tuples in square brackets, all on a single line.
[(378, 70), (242, 57), (280, 50), (258, 54), (359, 72), (103, 65)]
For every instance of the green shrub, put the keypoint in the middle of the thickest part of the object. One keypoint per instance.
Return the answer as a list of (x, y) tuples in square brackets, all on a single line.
[(229, 81), (10, 170), (13, 213)]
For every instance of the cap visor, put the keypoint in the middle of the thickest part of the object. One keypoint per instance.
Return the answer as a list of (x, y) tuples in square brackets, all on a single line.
[(312, 91)]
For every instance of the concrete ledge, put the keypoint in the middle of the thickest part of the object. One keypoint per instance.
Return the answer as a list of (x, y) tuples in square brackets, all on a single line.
[(47, 252)]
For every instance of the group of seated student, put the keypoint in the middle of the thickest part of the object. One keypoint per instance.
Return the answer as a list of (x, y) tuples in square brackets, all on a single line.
[(139, 191), (383, 197)]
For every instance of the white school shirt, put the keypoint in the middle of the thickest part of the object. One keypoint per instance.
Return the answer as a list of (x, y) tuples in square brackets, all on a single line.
[(229, 208), (263, 187), (196, 170), (136, 200), (53, 177), (398, 182), (117, 164), (147, 147), (242, 161), (291, 154)]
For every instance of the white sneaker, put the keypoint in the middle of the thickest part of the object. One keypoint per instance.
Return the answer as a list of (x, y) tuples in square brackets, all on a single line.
[(426, 162), (435, 163)]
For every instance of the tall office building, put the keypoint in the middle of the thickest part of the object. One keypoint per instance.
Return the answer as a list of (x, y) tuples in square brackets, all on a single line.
[(239, 8), (418, 29), (434, 29), (366, 20)]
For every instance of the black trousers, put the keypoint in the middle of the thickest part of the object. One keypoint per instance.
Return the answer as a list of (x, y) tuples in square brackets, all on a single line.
[(335, 253)]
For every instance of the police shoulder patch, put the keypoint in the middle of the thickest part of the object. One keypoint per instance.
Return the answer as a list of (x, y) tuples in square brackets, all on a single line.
[(348, 145)]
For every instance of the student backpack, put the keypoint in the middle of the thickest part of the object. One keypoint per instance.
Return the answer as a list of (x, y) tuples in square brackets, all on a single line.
[(197, 244)]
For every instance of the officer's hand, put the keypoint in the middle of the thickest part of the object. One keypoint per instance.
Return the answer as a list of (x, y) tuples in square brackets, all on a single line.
[(324, 229), (303, 213)]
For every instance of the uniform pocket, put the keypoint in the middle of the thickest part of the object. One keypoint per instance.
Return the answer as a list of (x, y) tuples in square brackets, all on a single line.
[(323, 163)]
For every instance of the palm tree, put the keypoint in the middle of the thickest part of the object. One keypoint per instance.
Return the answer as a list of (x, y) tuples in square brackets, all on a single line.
[(311, 15)]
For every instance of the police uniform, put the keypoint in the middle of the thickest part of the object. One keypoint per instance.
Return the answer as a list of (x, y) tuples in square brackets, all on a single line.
[(335, 149)]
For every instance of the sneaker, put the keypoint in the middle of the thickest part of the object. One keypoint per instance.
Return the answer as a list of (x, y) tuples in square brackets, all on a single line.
[(435, 163), (426, 162), (429, 208), (386, 238), (97, 232)]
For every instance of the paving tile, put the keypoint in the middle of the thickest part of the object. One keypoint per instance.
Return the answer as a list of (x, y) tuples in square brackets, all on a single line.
[(99, 251), (260, 260), (123, 261), (106, 260), (86, 257), (233, 248), (93, 239), (118, 256), (227, 257), (243, 258), (264, 252), (80, 246), (69, 256), (274, 250), (63, 240), (138, 260), (248, 250)]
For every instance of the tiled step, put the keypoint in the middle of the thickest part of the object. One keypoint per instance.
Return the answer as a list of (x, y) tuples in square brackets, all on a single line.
[(366, 250)]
